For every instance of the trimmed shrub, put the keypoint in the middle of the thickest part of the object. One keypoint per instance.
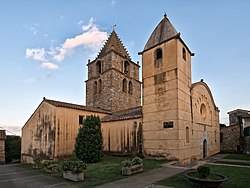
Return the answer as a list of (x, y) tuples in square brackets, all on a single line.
[(88, 146), (203, 171)]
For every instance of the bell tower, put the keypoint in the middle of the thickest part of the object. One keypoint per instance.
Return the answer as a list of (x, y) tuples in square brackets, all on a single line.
[(166, 104), (113, 78)]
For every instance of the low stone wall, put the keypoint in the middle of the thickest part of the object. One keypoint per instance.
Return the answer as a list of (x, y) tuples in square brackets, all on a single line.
[(247, 145), (230, 139), (2, 146)]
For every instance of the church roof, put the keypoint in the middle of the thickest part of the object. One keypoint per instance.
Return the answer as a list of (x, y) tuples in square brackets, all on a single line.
[(162, 33), (114, 43), (75, 106), (130, 113)]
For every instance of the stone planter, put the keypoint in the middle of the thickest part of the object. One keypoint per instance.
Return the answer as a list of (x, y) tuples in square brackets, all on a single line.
[(209, 182), (69, 175), (36, 166), (51, 171), (132, 169)]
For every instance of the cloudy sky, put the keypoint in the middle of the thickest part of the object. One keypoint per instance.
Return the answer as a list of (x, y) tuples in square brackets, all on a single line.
[(45, 46)]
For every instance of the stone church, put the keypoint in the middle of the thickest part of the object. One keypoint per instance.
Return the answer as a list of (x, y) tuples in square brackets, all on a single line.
[(177, 120)]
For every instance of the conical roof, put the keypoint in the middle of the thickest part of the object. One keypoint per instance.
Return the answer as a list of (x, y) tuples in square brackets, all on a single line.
[(163, 32), (114, 43)]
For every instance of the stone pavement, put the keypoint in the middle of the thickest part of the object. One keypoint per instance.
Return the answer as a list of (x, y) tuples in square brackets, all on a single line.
[(13, 176), (145, 179)]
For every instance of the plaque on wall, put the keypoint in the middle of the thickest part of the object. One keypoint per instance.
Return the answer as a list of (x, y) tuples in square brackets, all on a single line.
[(169, 124)]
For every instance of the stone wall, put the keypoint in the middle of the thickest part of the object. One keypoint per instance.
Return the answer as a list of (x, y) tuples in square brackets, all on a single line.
[(2, 146), (230, 138), (122, 137), (51, 131), (110, 96)]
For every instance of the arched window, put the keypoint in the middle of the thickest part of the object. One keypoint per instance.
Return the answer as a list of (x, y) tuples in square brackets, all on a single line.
[(98, 68), (126, 67), (158, 53), (100, 86), (187, 134), (130, 88), (124, 85), (184, 53), (158, 58), (95, 87)]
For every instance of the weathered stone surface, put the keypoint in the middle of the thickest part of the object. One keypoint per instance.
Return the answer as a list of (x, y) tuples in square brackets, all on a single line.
[(104, 87), (2, 146), (230, 138)]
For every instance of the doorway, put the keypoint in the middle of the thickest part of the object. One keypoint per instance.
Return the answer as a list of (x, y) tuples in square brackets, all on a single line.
[(205, 148)]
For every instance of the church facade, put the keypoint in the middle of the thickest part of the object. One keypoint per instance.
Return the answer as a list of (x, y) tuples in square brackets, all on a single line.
[(177, 120)]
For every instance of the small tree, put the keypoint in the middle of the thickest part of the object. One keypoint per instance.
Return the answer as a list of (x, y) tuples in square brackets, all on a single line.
[(88, 146)]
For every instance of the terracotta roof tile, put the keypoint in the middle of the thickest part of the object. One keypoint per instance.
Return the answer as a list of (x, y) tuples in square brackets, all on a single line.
[(75, 106), (130, 113)]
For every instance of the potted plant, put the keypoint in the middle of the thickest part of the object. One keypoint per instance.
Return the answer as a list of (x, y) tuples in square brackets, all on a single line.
[(49, 167), (73, 170), (204, 178), (37, 162), (131, 167)]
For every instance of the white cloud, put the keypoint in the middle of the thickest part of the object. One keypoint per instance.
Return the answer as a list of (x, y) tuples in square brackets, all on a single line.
[(91, 40), (113, 2), (36, 53), (90, 24), (31, 80), (80, 22), (34, 28), (49, 65)]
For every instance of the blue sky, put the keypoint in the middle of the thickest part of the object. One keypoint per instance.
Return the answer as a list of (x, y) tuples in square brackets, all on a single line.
[(45, 46)]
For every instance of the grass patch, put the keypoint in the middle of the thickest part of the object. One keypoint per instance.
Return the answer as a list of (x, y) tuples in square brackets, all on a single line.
[(233, 163), (238, 157), (238, 178), (105, 171)]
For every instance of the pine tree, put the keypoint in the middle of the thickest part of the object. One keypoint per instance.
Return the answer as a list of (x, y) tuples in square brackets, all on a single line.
[(88, 146)]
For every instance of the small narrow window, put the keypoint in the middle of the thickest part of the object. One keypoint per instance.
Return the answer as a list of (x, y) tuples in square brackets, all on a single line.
[(158, 54), (215, 136), (81, 120), (184, 53), (100, 86), (126, 67), (187, 134), (124, 85), (130, 88), (158, 58), (98, 68), (95, 87)]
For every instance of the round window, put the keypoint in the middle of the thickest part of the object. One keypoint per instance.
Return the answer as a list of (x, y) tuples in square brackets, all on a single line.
[(203, 110)]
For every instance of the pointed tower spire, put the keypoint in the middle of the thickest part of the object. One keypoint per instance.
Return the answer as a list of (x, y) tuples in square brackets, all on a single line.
[(163, 32), (114, 43)]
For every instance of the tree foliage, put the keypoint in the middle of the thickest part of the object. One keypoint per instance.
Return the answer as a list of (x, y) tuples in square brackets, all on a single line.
[(88, 146), (12, 148)]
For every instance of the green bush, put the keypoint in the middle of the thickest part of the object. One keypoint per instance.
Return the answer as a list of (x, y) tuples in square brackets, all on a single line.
[(37, 160), (88, 146), (134, 161), (126, 163), (73, 165), (203, 171), (12, 148), (137, 161)]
